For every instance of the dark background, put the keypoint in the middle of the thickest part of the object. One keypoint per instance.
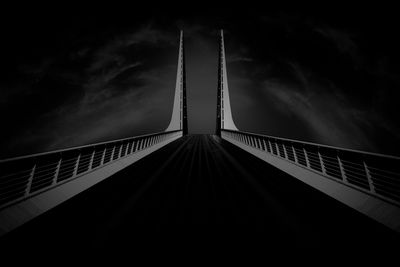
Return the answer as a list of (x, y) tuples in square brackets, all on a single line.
[(72, 74)]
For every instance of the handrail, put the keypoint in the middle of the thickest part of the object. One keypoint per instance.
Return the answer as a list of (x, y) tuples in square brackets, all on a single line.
[(373, 173), (319, 145), (77, 147), (25, 176)]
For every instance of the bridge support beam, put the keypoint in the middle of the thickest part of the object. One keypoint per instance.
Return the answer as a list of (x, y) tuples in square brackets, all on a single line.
[(179, 111), (224, 113)]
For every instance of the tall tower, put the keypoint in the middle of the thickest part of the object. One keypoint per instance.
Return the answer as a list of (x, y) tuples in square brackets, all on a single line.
[(179, 111), (224, 114)]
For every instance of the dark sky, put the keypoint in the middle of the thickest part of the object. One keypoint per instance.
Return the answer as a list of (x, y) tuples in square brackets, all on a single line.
[(72, 75)]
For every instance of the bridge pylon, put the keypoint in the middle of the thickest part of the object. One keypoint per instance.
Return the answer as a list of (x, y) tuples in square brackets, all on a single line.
[(224, 114), (179, 111)]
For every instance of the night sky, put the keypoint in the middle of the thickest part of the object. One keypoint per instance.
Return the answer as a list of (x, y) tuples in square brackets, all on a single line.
[(73, 75)]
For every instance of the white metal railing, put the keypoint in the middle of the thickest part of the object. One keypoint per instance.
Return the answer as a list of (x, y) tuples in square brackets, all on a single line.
[(372, 173), (23, 177)]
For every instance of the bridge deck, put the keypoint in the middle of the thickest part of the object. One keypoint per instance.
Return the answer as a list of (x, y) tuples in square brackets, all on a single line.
[(202, 187)]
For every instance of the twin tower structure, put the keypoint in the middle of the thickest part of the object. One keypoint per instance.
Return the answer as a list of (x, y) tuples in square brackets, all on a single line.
[(179, 111)]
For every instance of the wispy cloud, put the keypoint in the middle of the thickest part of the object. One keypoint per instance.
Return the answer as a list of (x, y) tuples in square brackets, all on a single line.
[(133, 111), (118, 95), (97, 87), (327, 114), (238, 58), (326, 111), (343, 40), (111, 53)]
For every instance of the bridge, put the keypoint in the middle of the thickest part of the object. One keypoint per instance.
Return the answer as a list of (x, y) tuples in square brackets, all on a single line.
[(232, 183)]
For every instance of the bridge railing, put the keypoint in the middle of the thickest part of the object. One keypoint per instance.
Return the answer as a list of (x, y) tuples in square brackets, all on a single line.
[(372, 173), (23, 177)]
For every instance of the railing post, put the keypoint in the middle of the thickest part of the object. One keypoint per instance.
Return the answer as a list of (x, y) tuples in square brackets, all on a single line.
[(76, 165), (277, 149), (103, 156), (126, 149), (120, 151), (57, 172), (112, 153), (306, 157), (270, 147), (139, 145), (284, 151), (133, 146), (28, 188), (265, 145), (369, 178), (91, 159), (342, 172), (322, 163), (294, 154)]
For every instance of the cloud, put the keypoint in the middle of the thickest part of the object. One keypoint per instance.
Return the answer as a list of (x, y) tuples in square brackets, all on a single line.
[(327, 113), (238, 58), (136, 111), (111, 53), (344, 43), (341, 39), (106, 112), (38, 70), (118, 95), (97, 87)]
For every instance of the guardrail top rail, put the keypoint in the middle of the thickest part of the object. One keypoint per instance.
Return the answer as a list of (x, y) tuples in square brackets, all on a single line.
[(25, 176), (376, 174)]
